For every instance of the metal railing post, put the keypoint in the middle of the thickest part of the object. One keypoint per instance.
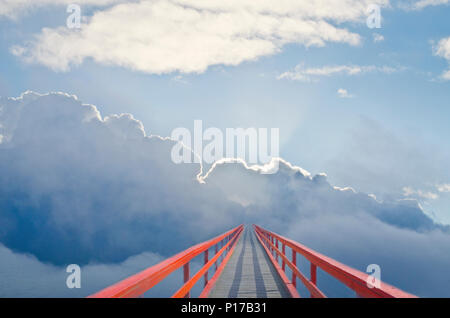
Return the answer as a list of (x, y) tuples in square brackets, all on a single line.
[(276, 240), (206, 261), (216, 250), (294, 261), (313, 269), (283, 264), (272, 240), (186, 277)]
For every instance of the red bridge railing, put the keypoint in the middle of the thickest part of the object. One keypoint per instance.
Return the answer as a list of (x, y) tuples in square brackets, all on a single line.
[(138, 284), (352, 278)]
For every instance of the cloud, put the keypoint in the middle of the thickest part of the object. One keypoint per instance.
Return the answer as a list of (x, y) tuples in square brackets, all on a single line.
[(311, 194), (77, 187), (442, 49), (408, 192), (94, 182), (15, 8), (301, 73), (419, 5), (446, 75), (343, 93), (422, 194), (443, 187), (349, 226), (148, 36), (378, 38)]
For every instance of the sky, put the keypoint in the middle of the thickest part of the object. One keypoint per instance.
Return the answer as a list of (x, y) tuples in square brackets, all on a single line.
[(368, 107)]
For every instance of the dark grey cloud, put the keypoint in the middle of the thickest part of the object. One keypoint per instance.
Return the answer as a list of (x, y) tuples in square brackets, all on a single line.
[(75, 187)]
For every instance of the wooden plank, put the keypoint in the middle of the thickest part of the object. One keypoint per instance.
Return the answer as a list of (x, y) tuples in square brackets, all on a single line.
[(249, 273)]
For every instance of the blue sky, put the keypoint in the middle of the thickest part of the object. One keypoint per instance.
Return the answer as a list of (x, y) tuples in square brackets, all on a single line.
[(389, 137)]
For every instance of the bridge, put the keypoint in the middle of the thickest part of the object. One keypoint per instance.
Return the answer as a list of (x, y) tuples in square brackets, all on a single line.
[(248, 262)]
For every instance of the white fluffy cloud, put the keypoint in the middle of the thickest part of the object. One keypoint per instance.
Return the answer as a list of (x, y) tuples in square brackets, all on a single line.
[(419, 5), (343, 93), (302, 73), (442, 49), (190, 35), (76, 187)]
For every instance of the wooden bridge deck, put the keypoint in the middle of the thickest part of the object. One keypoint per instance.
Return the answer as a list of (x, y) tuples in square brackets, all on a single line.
[(249, 273)]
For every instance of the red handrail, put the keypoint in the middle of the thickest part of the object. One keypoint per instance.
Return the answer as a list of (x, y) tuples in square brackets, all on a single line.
[(211, 283), (281, 272), (139, 283), (354, 279)]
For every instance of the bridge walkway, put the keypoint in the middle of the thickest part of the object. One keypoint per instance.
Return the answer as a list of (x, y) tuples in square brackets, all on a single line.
[(249, 273)]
